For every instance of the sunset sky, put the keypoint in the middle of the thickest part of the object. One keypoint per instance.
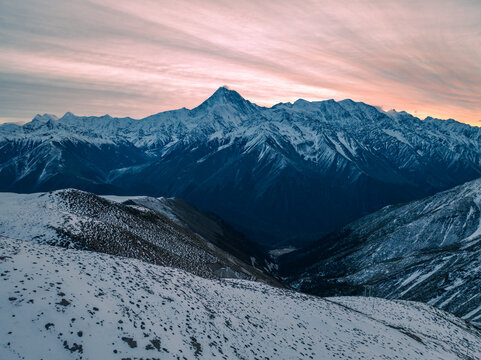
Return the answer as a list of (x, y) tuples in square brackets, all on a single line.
[(136, 58)]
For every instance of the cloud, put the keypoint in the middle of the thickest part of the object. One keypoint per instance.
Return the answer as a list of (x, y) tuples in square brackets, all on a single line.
[(138, 58)]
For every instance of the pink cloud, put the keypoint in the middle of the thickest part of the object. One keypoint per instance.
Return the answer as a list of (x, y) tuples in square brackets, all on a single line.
[(417, 56)]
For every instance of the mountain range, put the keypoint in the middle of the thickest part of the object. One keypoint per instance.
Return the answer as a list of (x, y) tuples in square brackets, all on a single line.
[(285, 175)]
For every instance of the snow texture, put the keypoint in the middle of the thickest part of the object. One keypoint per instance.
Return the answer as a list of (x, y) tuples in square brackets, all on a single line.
[(58, 303)]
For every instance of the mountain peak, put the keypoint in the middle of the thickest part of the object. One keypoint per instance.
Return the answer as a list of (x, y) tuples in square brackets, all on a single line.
[(68, 115), (224, 97), (44, 117), (301, 102), (223, 89)]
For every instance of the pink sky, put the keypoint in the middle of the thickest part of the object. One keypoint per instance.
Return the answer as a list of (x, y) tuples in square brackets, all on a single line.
[(136, 58)]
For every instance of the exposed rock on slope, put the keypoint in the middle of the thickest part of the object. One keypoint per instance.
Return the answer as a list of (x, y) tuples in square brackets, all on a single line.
[(207, 225), (81, 220)]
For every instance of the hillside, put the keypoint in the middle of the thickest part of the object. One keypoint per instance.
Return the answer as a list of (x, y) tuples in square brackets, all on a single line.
[(427, 250), (77, 219), (64, 303)]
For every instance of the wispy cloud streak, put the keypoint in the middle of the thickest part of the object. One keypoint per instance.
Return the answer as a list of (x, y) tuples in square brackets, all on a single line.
[(137, 58)]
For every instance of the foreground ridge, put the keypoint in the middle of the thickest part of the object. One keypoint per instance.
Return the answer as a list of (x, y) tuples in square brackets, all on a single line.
[(74, 303), (148, 229)]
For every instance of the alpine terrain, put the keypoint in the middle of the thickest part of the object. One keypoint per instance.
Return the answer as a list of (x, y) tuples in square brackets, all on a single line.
[(143, 228), (427, 250), (284, 175)]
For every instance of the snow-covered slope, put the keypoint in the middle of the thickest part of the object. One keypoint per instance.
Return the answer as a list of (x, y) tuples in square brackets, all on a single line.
[(77, 219), (58, 303), (208, 226), (427, 250), (284, 174)]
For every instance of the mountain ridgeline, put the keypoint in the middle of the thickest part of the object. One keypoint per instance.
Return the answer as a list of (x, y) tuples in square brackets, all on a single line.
[(284, 175)]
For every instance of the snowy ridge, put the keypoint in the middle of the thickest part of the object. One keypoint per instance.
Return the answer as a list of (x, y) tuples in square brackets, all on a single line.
[(427, 250), (227, 116), (63, 303), (209, 227), (159, 205), (80, 220)]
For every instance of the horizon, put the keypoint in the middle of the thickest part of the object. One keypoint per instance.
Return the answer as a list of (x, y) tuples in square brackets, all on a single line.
[(137, 59), (214, 92)]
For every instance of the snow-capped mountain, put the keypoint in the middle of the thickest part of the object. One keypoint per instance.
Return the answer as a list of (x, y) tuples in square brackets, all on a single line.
[(58, 303), (167, 232), (427, 250), (283, 175)]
